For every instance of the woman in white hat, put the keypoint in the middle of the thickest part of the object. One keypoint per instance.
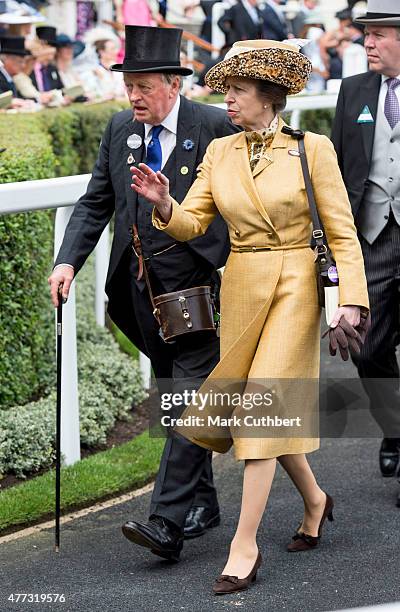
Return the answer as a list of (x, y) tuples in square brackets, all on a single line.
[(270, 315)]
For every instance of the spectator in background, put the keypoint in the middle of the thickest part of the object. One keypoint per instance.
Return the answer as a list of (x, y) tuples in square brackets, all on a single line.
[(314, 30), (67, 50), (354, 32), (242, 21), (24, 83), (111, 84), (133, 12), (12, 61), (274, 21), (297, 24), (45, 76)]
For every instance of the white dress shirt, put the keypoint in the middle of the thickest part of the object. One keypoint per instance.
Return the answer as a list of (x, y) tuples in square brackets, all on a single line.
[(167, 136), (167, 139)]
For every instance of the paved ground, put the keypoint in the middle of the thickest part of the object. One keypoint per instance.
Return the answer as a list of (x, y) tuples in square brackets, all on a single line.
[(356, 564)]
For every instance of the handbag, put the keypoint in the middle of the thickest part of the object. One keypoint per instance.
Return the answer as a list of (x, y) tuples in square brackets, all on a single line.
[(179, 312), (327, 278)]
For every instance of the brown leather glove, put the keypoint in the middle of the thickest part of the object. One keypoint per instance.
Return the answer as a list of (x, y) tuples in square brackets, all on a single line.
[(347, 338)]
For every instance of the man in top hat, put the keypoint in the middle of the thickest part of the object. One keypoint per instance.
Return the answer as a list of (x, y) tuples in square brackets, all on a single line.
[(12, 62), (366, 135), (170, 133), (45, 75)]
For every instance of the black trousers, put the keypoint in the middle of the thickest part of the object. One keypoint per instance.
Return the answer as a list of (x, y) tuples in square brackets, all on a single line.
[(185, 476), (377, 364)]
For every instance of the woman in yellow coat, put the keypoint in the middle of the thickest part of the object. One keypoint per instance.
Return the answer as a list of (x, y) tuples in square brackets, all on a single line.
[(270, 318)]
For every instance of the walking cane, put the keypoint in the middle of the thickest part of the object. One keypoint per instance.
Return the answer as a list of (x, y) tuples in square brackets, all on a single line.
[(58, 421)]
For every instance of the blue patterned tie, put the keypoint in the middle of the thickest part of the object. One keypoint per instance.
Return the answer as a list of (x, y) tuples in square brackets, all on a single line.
[(392, 108), (154, 153)]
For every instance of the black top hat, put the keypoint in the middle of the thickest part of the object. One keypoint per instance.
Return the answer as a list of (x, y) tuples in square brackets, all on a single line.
[(13, 45), (152, 50), (47, 34)]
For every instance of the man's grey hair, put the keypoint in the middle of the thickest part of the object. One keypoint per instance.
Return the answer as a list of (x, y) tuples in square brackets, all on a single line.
[(168, 77)]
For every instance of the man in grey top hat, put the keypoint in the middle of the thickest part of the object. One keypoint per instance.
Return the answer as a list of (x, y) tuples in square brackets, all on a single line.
[(171, 133), (366, 135)]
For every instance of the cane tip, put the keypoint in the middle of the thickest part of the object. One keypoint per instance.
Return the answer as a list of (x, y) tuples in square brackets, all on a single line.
[(56, 549)]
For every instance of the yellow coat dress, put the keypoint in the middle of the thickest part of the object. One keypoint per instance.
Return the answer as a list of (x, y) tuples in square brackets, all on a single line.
[(270, 317)]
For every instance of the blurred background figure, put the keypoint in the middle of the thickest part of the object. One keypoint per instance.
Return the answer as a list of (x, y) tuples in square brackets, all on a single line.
[(12, 61), (304, 7), (67, 50), (242, 21), (314, 30), (134, 12), (111, 84), (274, 21), (45, 76)]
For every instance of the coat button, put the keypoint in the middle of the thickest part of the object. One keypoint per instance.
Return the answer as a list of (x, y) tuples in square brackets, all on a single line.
[(390, 179), (237, 233)]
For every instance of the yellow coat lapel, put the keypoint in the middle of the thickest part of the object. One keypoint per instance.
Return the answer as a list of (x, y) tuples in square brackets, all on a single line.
[(246, 178)]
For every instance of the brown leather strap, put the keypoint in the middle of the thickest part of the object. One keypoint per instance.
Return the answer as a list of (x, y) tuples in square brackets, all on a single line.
[(137, 249)]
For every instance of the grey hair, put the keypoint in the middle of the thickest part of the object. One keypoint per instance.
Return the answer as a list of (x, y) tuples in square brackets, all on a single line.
[(168, 77)]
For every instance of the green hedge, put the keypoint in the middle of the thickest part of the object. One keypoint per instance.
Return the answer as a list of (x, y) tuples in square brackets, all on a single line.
[(57, 142), (109, 382), (26, 346)]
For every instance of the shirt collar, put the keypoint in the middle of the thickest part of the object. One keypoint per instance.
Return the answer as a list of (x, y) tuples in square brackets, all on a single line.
[(170, 122), (385, 78)]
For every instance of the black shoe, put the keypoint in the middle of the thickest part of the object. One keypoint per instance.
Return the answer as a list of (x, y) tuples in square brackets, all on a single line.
[(389, 456), (198, 520), (160, 535)]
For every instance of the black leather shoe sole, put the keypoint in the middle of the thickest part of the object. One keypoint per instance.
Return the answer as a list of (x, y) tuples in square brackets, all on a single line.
[(141, 539), (213, 522)]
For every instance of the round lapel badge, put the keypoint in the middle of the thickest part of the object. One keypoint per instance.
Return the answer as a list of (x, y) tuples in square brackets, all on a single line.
[(184, 170), (134, 141)]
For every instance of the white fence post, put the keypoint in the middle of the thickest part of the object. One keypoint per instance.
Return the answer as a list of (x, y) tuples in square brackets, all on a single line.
[(102, 257), (145, 370), (70, 436)]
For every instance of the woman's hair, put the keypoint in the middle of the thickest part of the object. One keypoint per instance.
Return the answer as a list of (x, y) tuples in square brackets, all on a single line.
[(273, 93)]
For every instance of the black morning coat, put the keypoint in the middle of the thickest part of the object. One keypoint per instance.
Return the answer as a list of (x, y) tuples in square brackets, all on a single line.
[(109, 191), (352, 139)]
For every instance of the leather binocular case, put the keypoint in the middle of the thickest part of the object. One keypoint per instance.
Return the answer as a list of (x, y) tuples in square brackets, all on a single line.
[(184, 312)]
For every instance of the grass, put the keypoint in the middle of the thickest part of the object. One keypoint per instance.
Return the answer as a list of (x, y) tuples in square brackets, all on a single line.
[(124, 343), (101, 475)]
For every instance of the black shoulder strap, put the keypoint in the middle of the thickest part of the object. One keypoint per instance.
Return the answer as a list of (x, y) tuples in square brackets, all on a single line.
[(318, 233)]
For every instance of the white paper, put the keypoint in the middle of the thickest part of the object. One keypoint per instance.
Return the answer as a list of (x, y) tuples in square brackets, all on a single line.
[(331, 302)]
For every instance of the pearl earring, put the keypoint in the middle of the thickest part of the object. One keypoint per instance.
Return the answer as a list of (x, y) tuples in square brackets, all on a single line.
[(265, 106)]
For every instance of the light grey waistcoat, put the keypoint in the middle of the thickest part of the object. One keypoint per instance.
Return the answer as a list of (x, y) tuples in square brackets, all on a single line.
[(383, 192)]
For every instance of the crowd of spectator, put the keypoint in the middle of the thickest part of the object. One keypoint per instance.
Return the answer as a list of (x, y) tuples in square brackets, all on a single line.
[(43, 67)]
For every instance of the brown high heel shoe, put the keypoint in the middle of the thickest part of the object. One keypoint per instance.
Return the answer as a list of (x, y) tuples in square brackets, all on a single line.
[(303, 541), (231, 584)]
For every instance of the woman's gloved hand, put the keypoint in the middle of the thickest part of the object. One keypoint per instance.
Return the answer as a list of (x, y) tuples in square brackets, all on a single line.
[(345, 335)]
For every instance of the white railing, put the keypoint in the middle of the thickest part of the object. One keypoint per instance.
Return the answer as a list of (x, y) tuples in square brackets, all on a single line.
[(297, 104), (61, 194)]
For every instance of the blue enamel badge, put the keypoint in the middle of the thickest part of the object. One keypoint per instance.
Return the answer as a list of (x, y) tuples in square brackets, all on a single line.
[(188, 144)]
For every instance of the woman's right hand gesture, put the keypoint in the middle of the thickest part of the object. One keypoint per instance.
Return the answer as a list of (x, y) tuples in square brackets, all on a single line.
[(154, 187)]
